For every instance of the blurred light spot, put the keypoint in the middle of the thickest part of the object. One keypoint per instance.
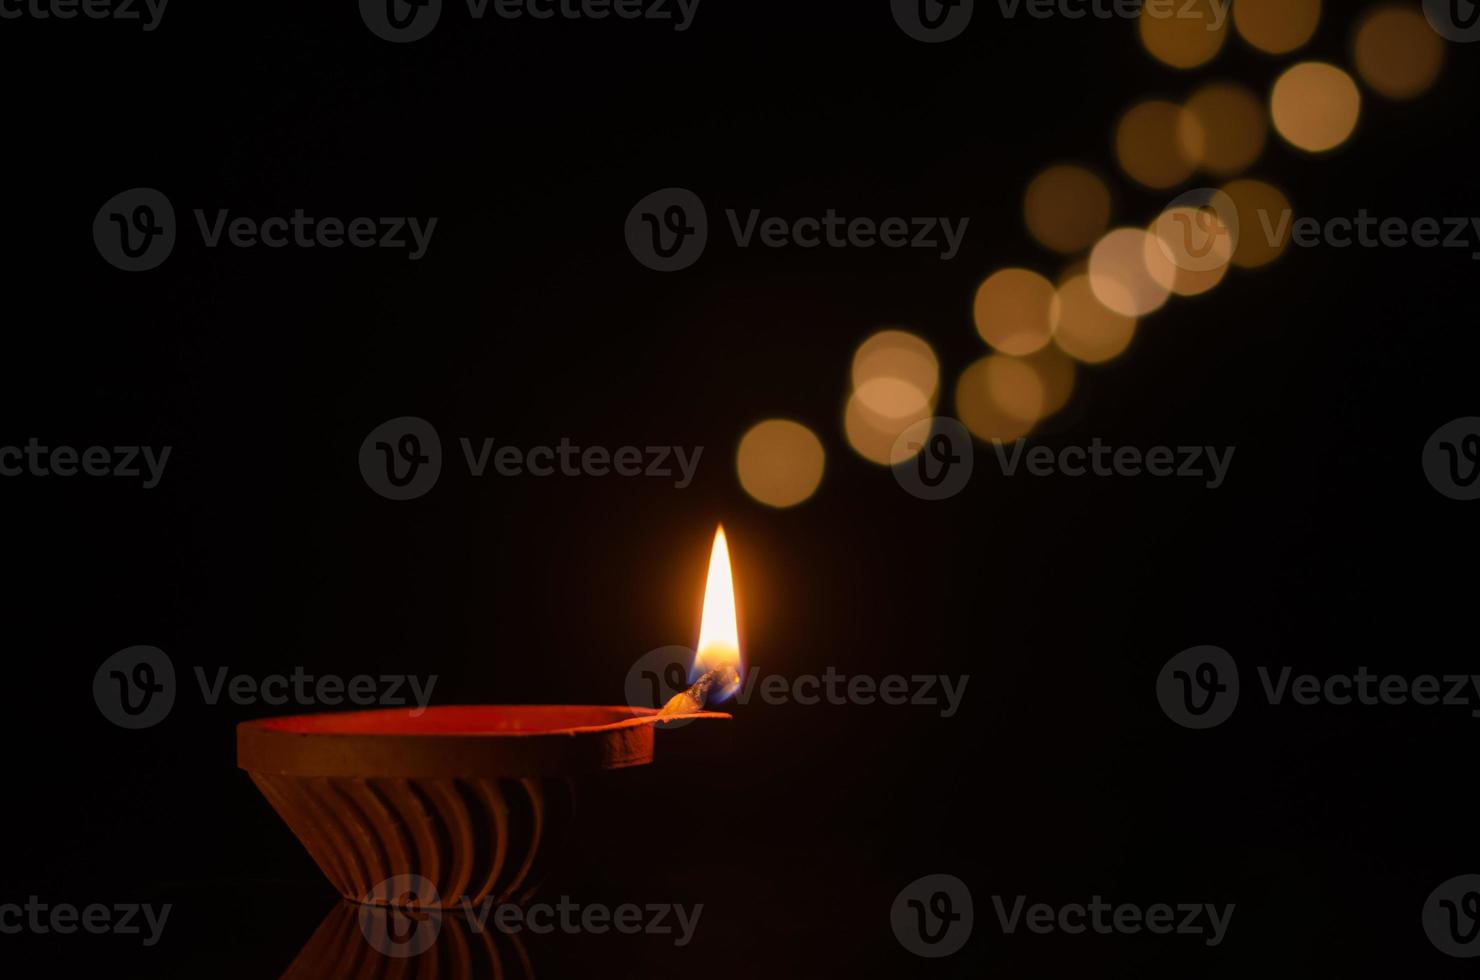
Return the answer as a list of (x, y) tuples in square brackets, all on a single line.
[(1230, 130), (888, 400), (1315, 106), (1085, 329), (980, 410), (1015, 388), (1118, 275), (1264, 220), (1014, 311), (1397, 53), (1159, 143), (780, 462), (1055, 371), (1276, 26), (1067, 208), (899, 355), (1184, 33), (1188, 249), (873, 435)]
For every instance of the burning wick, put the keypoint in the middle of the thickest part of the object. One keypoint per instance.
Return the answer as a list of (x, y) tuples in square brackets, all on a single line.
[(719, 639), (694, 699)]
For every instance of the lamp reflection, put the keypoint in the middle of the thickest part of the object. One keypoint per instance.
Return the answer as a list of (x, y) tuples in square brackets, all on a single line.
[(361, 942)]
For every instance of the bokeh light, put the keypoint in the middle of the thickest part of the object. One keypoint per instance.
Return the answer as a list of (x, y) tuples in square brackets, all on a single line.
[(1067, 208), (1188, 249), (1158, 143), (872, 434), (896, 377), (1084, 328), (780, 462), (898, 355), (979, 407), (1118, 275), (1315, 106), (1014, 311), (1276, 26), (1225, 128), (1397, 53), (1056, 372), (1186, 33), (1264, 222)]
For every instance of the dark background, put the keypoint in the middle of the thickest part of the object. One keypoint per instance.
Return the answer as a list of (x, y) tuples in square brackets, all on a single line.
[(528, 320)]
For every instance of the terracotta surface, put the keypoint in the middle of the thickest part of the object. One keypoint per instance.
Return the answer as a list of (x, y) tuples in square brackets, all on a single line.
[(469, 798)]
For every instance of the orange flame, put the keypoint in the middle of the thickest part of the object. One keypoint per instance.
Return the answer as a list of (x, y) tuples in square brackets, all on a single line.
[(719, 632)]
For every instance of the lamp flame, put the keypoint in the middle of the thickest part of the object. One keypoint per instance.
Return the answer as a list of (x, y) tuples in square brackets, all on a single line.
[(719, 632)]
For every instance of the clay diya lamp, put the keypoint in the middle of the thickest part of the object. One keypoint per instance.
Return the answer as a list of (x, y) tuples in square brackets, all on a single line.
[(468, 799), (433, 807)]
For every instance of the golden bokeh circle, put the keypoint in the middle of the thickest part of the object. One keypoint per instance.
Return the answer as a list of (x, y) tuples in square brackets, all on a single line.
[(1066, 208), (1225, 128), (1013, 311), (1396, 52), (1276, 26), (1158, 143), (979, 407), (1085, 328), (780, 462), (1315, 106), (1119, 278), (1264, 220), (1185, 33)]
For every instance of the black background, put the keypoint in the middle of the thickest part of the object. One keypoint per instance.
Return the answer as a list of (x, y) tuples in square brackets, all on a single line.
[(528, 321)]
